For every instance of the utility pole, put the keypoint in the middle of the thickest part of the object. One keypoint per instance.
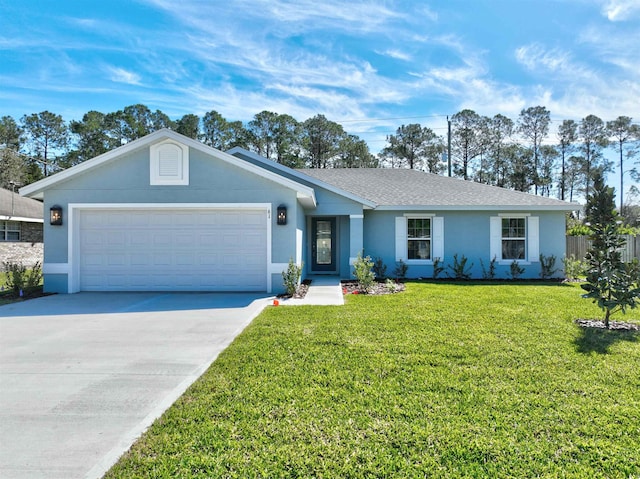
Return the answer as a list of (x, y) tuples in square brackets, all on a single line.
[(449, 145)]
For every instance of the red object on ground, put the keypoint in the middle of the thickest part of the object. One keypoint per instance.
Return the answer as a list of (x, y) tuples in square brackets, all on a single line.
[(276, 302), (355, 292)]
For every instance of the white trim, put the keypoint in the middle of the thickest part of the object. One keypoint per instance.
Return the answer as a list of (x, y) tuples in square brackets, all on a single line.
[(514, 215), (55, 268), (517, 208), (181, 178), (21, 219), (419, 215), (73, 228), (35, 190), (356, 217)]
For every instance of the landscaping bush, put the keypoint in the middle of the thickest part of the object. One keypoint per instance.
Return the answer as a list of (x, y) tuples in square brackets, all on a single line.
[(515, 270), (21, 280), (400, 271), (291, 277), (459, 268), (363, 272), (547, 266), (574, 268), (379, 269), (491, 272), (438, 268)]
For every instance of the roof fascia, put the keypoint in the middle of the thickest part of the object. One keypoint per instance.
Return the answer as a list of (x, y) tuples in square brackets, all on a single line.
[(301, 176), (568, 207)]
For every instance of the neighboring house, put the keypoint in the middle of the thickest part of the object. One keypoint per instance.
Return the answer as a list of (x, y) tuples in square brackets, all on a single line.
[(168, 213), (20, 229)]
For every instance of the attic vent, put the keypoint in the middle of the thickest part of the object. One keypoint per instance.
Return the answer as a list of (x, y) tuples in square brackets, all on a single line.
[(169, 163)]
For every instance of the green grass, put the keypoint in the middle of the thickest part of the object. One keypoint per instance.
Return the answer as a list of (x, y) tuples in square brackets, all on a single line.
[(444, 380)]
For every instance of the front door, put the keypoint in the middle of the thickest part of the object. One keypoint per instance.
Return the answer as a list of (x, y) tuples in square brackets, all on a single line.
[(323, 244)]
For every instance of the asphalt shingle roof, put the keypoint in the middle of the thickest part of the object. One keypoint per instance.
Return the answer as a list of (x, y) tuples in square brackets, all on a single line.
[(12, 204), (404, 187)]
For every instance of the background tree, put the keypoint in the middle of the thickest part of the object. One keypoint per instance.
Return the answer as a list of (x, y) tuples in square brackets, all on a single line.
[(11, 162), (47, 134), (500, 131), (321, 140), (622, 131), (465, 143), (593, 137), (567, 136), (521, 167), (610, 283), (354, 153), (533, 125), (414, 147), (189, 125), (262, 133), (287, 141), (548, 155), (92, 138)]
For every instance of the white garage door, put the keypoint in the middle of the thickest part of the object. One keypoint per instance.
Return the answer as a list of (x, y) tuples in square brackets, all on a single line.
[(173, 250)]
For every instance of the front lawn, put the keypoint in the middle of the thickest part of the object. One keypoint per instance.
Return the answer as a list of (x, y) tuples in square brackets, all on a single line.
[(443, 380)]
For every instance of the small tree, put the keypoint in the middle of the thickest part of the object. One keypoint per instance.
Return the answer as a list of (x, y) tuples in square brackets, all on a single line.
[(362, 270), (611, 284), (291, 277)]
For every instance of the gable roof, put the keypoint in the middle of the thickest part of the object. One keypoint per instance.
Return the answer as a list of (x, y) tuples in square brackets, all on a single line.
[(299, 175), (397, 188), (14, 207), (305, 194)]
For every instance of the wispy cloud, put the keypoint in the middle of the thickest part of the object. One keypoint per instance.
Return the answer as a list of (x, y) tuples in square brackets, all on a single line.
[(120, 75), (621, 10)]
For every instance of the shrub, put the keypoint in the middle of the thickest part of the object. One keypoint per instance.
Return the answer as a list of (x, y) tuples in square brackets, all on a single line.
[(515, 270), (459, 268), (574, 268), (400, 271), (491, 272), (391, 285), (20, 279), (547, 266), (291, 277), (379, 268), (362, 270), (438, 268)]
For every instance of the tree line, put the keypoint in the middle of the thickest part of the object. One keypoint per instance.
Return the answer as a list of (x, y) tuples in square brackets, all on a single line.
[(521, 154)]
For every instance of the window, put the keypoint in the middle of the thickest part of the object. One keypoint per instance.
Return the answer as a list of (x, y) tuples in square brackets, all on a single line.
[(419, 238), (514, 244), (515, 237), (9, 231)]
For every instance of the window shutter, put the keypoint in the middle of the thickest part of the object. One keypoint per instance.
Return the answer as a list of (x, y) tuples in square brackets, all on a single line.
[(533, 238), (169, 161), (401, 238), (438, 237), (495, 235)]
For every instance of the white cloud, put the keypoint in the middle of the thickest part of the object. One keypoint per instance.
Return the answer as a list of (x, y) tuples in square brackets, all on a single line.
[(621, 10), (120, 75)]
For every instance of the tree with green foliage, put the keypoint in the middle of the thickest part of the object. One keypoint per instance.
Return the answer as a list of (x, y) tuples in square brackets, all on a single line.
[(48, 138), (623, 132), (92, 138), (321, 141), (189, 125), (592, 134), (11, 162), (354, 153), (612, 284), (567, 136), (533, 125), (415, 147), (465, 142)]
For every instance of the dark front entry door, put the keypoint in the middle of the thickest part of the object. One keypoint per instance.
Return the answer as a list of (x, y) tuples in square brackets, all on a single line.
[(323, 244)]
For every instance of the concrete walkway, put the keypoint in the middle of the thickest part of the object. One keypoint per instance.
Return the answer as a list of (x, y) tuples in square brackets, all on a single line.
[(323, 291)]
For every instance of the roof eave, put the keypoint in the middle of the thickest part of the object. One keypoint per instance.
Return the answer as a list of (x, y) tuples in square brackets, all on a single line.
[(568, 207)]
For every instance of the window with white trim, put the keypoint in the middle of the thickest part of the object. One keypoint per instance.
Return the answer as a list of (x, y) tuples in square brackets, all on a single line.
[(514, 238), (9, 231), (419, 238)]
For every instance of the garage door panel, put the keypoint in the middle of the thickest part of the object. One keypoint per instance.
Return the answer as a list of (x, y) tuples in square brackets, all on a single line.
[(145, 250)]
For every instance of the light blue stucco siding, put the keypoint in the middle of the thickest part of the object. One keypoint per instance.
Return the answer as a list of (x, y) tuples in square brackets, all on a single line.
[(126, 180), (465, 233)]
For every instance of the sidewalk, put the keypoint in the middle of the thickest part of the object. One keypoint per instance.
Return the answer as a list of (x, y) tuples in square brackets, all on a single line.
[(323, 291)]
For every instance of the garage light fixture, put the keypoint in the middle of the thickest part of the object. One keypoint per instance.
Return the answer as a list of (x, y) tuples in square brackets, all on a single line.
[(282, 215), (56, 215)]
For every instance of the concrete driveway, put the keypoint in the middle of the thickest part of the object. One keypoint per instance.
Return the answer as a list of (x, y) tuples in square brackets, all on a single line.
[(83, 375)]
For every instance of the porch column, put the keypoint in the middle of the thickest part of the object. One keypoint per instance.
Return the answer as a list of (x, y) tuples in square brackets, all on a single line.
[(356, 243)]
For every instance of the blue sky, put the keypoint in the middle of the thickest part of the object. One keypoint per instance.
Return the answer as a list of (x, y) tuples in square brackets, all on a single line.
[(370, 65)]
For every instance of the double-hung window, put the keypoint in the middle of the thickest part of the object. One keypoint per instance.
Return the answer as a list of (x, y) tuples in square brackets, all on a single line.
[(419, 238), (9, 231), (514, 238)]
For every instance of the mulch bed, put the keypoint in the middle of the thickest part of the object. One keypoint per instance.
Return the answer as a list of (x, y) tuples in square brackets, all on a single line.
[(613, 325), (351, 287)]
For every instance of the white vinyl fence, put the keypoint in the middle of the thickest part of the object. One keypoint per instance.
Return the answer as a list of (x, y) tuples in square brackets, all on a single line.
[(578, 246)]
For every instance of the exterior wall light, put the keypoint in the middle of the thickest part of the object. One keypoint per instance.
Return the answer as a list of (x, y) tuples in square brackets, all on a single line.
[(56, 215), (282, 215)]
